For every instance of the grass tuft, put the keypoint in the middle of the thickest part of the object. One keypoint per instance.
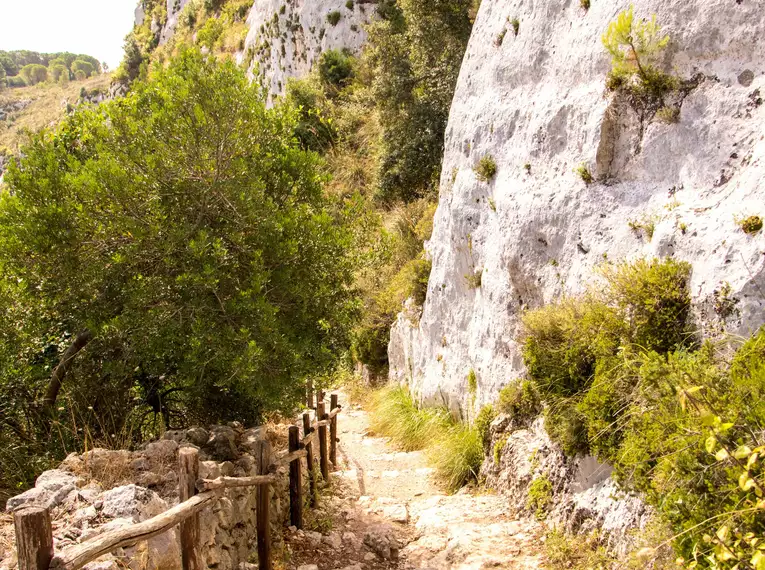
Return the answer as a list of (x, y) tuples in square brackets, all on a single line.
[(395, 414), (457, 456), (454, 449)]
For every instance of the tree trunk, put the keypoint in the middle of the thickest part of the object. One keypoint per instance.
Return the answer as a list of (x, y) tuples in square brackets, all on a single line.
[(61, 370)]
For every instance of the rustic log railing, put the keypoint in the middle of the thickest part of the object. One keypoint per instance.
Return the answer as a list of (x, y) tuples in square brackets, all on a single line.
[(34, 534)]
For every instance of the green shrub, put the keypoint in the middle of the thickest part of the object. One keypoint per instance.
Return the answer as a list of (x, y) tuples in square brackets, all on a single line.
[(751, 225), (486, 168), (585, 4), (81, 65), (516, 24), (521, 401), (209, 34), (500, 38), (499, 446), (540, 496), (334, 17), (571, 349), (16, 81), (349, 4), (34, 73), (474, 279), (653, 297), (336, 68), (483, 421), (457, 455)]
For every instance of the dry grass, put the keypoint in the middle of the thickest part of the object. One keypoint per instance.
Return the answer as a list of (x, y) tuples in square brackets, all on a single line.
[(48, 106)]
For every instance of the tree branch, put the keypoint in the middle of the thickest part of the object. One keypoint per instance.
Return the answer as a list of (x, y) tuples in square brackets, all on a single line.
[(61, 370)]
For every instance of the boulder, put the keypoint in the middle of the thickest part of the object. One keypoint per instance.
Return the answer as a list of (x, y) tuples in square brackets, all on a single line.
[(221, 444), (50, 490)]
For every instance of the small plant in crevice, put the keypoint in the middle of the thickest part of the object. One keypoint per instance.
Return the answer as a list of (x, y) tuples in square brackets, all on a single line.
[(516, 24), (472, 383), (540, 495), (583, 172), (500, 37), (585, 4), (492, 205), (527, 167), (668, 115), (486, 169), (474, 279), (349, 4), (334, 17), (643, 226), (750, 224)]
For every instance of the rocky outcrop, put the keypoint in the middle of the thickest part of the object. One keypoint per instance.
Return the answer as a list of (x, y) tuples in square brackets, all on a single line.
[(286, 38), (103, 490), (537, 103), (583, 496)]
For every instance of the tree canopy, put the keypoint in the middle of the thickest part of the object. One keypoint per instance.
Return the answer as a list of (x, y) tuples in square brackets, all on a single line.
[(176, 248)]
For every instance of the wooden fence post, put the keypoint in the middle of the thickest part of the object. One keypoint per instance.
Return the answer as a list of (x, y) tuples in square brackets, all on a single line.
[(309, 459), (188, 473), (323, 460), (309, 394), (34, 538), (296, 481), (263, 507), (333, 431)]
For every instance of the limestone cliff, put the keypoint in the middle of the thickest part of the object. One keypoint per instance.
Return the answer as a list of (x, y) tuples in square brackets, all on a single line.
[(536, 102), (287, 38)]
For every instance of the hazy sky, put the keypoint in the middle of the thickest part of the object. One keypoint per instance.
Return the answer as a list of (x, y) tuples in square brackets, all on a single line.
[(93, 27)]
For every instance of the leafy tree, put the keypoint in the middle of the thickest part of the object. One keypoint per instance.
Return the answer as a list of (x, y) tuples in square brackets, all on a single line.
[(8, 64), (34, 73), (2, 77), (58, 72), (84, 66), (415, 53), (174, 252)]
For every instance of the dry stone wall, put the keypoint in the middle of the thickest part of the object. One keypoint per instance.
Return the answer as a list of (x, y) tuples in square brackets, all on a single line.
[(102, 490)]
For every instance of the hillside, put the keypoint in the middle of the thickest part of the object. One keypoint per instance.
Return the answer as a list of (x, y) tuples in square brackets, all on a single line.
[(41, 105)]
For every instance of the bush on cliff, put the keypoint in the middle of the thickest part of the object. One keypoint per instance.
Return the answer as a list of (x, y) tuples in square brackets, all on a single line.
[(623, 378)]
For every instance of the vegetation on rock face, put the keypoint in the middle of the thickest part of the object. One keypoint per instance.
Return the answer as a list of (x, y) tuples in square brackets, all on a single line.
[(751, 224), (486, 169), (177, 249), (636, 47), (624, 378)]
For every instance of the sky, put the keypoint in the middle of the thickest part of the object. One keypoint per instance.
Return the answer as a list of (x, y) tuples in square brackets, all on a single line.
[(92, 27)]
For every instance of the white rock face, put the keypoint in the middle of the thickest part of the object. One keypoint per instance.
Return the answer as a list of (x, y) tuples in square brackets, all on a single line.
[(174, 9), (288, 44), (539, 99)]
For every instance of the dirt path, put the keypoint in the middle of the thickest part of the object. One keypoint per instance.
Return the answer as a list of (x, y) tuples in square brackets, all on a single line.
[(381, 496)]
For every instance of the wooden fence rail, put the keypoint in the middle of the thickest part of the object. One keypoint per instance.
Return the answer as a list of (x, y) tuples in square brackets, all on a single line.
[(34, 534)]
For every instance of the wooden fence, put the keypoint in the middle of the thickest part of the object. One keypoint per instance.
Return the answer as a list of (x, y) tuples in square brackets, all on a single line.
[(34, 536)]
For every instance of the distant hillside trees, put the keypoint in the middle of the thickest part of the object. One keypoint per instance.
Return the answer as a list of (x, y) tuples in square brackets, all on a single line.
[(21, 68), (34, 73)]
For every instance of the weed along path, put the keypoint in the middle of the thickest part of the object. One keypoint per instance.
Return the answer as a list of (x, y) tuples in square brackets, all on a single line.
[(384, 511)]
